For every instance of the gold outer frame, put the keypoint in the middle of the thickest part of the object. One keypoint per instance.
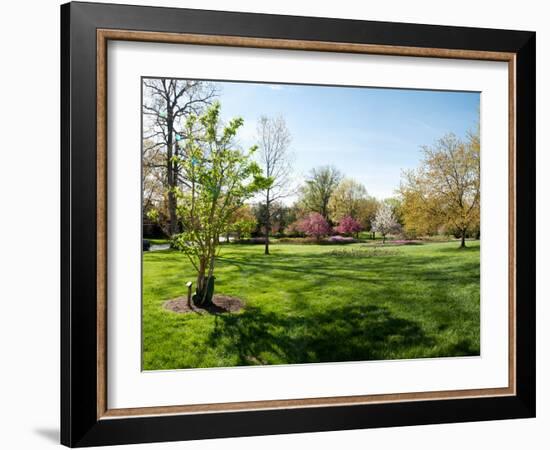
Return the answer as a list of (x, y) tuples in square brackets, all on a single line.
[(103, 36)]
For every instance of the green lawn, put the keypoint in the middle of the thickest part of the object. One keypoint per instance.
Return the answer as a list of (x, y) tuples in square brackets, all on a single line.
[(158, 241), (317, 303)]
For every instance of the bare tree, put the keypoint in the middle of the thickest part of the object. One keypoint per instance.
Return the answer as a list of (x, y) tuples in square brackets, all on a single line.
[(275, 158), (167, 103)]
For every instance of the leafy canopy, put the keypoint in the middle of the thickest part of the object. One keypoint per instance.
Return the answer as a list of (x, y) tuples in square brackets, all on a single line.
[(219, 178), (444, 191)]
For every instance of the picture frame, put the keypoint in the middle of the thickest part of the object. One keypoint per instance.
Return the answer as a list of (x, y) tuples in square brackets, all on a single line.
[(86, 419)]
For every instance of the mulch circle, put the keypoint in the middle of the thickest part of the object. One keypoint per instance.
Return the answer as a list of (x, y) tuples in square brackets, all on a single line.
[(221, 304)]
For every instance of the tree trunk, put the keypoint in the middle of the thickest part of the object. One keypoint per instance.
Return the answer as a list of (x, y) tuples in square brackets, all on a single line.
[(205, 287), (267, 224), (383, 239), (463, 239), (171, 177), (266, 248), (172, 217), (200, 283), (204, 296)]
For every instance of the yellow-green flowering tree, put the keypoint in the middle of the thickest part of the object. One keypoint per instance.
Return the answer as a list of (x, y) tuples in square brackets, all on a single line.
[(444, 191), (219, 178)]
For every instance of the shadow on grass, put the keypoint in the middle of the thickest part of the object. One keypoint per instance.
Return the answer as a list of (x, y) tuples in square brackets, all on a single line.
[(459, 250), (387, 268), (349, 333)]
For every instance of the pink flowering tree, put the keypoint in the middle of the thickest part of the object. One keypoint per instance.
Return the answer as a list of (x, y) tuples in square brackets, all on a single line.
[(348, 225), (294, 229), (314, 225)]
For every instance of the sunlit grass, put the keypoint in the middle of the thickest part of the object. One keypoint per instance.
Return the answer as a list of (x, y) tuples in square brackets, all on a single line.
[(317, 303)]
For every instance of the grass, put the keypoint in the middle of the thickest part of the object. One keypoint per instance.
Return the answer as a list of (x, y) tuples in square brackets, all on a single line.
[(158, 241), (317, 303)]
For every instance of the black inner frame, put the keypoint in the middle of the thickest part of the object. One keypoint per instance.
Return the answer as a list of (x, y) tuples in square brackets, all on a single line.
[(79, 423)]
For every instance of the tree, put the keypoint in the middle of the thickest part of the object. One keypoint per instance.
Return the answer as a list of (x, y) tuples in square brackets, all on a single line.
[(314, 225), (348, 225), (274, 141), (367, 212), (220, 178), (347, 199), (242, 222), (444, 191), (397, 208), (154, 194), (167, 103), (280, 216), (294, 229), (421, 214), (318, 189), (385, 221)]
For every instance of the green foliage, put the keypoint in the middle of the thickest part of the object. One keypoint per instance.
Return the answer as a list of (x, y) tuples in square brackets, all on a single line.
[(280, 217), (153, 215), (243, 222), (219, 178), (318, 189), (347, 200)]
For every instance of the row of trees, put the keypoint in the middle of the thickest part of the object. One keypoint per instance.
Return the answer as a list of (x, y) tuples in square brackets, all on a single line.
[(198, 183), (296, 221), (330, 204), (325, 199), (441, 196)]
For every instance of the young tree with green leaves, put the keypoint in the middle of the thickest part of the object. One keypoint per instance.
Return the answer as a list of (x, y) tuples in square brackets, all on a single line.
[(220, 178)]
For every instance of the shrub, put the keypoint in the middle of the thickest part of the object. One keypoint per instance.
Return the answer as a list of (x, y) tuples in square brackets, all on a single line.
[(340, 240), (297, 240), (252, 240), (314, 225), (293, 230), (348, 225), (405, 242)]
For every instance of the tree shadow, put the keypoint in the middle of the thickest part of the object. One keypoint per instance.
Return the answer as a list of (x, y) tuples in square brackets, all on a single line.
[(356, 330), (387, 269), (353, 332)]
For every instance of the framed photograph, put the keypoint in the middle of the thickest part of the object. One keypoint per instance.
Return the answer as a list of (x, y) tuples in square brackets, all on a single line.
[(277, 224)]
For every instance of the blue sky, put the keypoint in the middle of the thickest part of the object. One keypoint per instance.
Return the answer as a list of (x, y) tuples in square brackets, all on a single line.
[(369, 134)]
